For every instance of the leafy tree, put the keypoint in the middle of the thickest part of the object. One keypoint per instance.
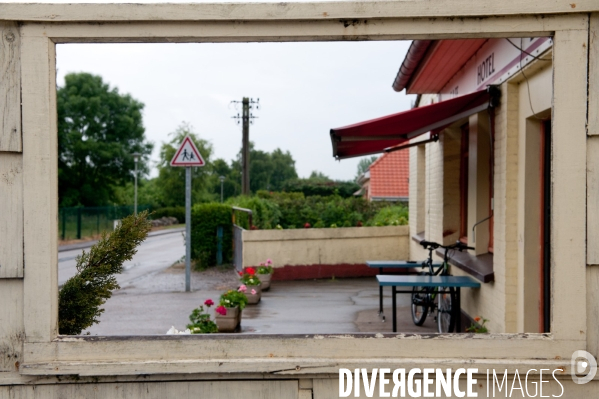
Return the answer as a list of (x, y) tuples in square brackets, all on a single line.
[(232, 182), (318, 176), (364, 164), (80, 298), (171, 180), (98, 131), (268, 171)]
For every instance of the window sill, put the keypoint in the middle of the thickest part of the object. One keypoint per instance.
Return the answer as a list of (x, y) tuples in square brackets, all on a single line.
[(479, 267), (418, 237)]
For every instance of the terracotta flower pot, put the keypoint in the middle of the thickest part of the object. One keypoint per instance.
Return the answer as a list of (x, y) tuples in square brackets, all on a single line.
[(265, 281), (253, 298), (228, 322)]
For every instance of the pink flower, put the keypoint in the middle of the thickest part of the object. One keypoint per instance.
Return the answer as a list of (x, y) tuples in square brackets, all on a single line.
[(253, 291), (262, 264), (221, 310), (242, 288), (209, 302), (268, 262)]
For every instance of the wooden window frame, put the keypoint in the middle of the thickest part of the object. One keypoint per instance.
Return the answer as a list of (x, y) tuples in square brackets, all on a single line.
[(464, 153), (42, 26)]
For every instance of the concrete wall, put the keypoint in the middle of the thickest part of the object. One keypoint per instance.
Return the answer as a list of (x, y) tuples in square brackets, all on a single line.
[(323, 253)]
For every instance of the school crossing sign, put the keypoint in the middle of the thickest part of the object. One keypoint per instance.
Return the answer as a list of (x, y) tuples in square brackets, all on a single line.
[(187, 154)]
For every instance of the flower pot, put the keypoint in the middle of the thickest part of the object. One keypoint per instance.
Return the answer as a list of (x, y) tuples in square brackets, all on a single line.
[(228, 322), (253, 298), (265, 281)]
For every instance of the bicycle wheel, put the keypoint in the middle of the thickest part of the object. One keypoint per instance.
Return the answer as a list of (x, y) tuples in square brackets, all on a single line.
[(446, 298), (419, 305)]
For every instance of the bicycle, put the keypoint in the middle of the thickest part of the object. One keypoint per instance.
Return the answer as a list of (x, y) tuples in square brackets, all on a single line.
[(425, 299)]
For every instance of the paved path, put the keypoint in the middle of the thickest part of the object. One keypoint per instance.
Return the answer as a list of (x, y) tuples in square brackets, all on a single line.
[(156, 253)]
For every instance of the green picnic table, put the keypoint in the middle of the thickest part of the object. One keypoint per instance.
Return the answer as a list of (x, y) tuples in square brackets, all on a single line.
[(436, 282)]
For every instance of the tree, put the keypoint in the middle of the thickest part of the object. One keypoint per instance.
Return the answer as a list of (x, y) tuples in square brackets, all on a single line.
[(364, 164), (81, 296), (268, 171), (319, 176), (98, 131), (171, 180)]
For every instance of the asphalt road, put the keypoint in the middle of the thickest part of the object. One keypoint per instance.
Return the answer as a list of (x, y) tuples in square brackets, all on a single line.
[(156, 253)]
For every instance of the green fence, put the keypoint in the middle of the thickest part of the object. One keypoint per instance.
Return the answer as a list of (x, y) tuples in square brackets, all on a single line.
[(75, 223)]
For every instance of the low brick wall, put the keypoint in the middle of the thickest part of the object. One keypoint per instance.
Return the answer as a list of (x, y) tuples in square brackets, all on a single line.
[(323, 253)]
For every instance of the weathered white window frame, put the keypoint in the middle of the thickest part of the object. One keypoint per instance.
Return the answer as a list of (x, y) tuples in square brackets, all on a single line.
[(42, 26)]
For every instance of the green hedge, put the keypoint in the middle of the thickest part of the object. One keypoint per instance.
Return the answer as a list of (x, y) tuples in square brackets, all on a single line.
[(174, 211), (205, 218), (309, 187), (294, 210), (392, 216)]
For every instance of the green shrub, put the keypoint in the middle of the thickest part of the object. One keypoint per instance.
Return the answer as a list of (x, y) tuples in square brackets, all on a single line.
[(205, 218), (323, 188), (265, 213), (391, 216), (173, 211), (80, 298)]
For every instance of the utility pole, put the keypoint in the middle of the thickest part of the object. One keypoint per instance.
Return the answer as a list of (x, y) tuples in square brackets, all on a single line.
[(245, 145), (136, 156), (246, 119)]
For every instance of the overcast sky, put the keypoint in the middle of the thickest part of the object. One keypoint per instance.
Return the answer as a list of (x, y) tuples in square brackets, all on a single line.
[(305, 89)]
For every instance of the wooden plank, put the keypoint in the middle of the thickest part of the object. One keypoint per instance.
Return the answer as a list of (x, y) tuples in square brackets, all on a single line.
[(568, 185), (40, 188), (593, 145), (592, 318), (593, 124), (255, 350), (374, 29), (291, 368), (11, 325), (10, 87), (158, 390), (592, 199), (286, 11), (11, 216)]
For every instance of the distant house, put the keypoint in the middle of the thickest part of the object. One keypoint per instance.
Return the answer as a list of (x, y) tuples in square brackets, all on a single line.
[(387, 178)]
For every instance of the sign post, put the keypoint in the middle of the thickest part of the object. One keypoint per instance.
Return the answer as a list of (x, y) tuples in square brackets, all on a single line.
[(187, 156)]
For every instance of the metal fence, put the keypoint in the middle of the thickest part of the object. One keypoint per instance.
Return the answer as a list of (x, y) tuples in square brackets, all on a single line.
[(75, 223)]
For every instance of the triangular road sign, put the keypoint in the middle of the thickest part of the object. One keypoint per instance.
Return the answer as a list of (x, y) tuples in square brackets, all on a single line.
[(187, 154)]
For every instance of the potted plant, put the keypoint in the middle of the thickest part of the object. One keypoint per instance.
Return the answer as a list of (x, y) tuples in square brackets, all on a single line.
[(200, 321), (228, 313), (251, 285), (265, 272)]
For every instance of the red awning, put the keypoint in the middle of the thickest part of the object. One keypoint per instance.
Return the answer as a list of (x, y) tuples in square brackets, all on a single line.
[(374, 136)]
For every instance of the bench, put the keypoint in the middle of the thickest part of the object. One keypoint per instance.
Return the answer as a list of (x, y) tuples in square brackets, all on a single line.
[(455, 282), (396, 264)]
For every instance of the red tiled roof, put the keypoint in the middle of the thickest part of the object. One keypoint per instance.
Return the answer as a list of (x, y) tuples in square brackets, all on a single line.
[(389, 175)]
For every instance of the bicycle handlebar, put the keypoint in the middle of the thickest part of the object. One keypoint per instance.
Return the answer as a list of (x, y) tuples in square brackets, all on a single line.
[(460, 246)]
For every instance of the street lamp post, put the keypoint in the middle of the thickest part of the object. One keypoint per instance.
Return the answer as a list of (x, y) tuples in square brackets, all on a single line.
[(222, 180), (136, 156)]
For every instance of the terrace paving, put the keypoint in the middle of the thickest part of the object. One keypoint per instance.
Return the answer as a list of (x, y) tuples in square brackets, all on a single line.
[(151, 304)]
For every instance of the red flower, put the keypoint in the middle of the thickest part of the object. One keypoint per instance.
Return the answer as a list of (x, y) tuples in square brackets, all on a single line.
[(240, 273), (221, 310), (477, 319), (307, 226), (250, 270), (359, 224), (253, 227), (209, 302)]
